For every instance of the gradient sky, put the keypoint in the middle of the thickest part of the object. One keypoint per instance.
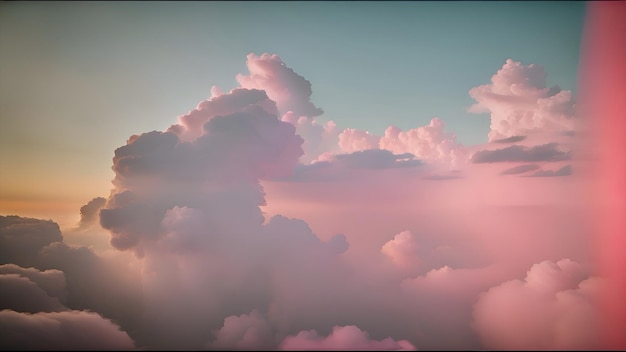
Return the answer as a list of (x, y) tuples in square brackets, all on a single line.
[(78, 78)]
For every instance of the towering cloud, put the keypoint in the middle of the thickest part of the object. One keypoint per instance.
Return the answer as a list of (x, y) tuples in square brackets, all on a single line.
[(520, 103)]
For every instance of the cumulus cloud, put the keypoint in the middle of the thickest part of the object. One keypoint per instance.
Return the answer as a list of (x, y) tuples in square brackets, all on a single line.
[(190, 125), (289, 90), (21, 294), (553, 308), (186, 205), (22, 238), (89, 211), (244, 332), (69, 330), (47, 275), (429, 142), (377, 159), (519, 102), (564, 171), (518, 153), (31, 290), (353, 140), (343, 338), (403, 249), (318, 138)]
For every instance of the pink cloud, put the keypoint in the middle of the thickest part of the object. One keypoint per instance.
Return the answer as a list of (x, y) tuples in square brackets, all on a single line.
[(190, 125), (289, 90), (243, 243), (518, 153), (353, 140), (343, 338), (429, 142), (244, 332), (552, 308), (318, 138), (403, 250), (520, 103), (563, 171)]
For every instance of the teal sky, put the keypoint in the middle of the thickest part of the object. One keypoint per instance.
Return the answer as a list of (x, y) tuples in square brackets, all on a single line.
[(78, 78)]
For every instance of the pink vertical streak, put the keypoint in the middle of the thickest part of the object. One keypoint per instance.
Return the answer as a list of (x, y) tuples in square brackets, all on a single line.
[(603, 88)]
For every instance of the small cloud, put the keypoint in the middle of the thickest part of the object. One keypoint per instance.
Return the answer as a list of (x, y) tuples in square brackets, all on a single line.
[(343, 338), (377, 159), (564, 171), (512, 139), (544, 152), (89, 211), (520, 169)]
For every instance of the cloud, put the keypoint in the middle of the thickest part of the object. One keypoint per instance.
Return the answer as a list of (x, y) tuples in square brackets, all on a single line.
[(244, 332), (21, 239), (89, 211), (45, 301), (360, 164), (353, 140), (157, 171), (45, 274), (343, 338), (518, 153), (31, 290), (218, 244), (520, 169), (551, 309), (191, 125), (519, 102), (318, 138), (21, 294), (403, 250), (289, 90), (377, 159), (69, 330), (512, 139), (564, 171), (429, 142)]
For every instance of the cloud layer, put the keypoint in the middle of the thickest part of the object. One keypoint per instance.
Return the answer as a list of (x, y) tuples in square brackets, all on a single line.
[(249, 225)]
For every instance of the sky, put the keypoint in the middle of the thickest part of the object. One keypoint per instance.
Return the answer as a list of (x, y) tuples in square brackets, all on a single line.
[(309, 175)]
